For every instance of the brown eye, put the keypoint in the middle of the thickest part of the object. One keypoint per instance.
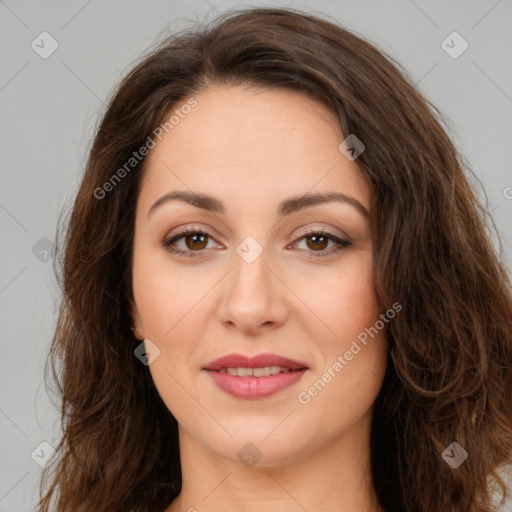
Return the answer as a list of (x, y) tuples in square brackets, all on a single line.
[(318, 241), (196, 241)]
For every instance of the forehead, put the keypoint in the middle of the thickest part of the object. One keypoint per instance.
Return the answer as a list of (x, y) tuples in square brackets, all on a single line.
[(261, 144)]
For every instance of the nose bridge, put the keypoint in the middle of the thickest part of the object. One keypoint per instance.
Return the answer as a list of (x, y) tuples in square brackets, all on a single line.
[(250, 277), (251, 294)]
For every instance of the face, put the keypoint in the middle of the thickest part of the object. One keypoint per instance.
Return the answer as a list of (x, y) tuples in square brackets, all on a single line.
[(252, 277)]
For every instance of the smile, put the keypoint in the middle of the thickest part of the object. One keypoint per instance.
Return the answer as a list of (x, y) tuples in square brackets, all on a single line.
[(254, 377), (255, 372)]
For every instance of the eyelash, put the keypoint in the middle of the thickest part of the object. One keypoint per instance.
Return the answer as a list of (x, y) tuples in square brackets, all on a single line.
[(167, 243)]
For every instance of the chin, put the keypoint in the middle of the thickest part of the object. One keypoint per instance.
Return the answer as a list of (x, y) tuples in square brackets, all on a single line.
[(258, 441), (259, 452)]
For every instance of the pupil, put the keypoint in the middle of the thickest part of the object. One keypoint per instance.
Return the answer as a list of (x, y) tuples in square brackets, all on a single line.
[(318, 240), (197, 239)]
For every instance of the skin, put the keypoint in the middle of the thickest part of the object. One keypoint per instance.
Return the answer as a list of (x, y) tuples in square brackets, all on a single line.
[(252, 148)]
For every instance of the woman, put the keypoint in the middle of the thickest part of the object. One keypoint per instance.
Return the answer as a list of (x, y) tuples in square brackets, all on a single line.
[(279, 289)]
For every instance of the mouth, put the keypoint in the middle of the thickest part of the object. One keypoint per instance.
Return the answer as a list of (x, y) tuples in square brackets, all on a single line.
[(255, 372), (239, 361), (254, 377)]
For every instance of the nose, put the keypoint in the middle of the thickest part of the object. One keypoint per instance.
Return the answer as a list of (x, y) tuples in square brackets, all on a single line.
[(254, 296)]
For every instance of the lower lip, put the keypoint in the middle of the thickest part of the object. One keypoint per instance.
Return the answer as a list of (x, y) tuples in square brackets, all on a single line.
[(255, 387)]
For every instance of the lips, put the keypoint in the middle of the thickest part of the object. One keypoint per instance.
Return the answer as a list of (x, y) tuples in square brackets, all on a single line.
[(259, 361), (253, 387)]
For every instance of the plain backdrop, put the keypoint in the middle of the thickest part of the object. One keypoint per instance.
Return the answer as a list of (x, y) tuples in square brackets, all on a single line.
[(48, 112)]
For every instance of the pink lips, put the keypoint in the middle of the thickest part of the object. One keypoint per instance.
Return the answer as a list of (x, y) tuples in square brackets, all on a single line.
[(254, 387)]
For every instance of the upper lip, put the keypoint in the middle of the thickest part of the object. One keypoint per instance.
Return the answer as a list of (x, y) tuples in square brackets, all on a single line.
[(258, 361)]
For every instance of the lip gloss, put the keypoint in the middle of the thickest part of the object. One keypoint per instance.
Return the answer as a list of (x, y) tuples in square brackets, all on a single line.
[(255, 387)]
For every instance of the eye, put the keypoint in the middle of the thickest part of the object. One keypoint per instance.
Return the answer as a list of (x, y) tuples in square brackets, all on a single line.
[(318, 240), (196, 241)]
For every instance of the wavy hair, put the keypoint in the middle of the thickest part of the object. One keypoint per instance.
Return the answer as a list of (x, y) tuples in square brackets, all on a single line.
[(449, 373)]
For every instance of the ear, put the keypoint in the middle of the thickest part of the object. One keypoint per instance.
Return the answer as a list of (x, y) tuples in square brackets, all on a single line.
[(136, 324)]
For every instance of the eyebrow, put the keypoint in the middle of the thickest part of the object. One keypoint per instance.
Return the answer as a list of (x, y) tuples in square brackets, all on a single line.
[(288, 206)]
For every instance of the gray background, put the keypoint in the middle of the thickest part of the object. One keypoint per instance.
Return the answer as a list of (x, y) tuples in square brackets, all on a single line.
[(48, 111)]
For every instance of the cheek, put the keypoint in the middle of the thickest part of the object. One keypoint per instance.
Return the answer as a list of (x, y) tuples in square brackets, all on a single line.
[(165, 294), (353, 360), (355, 350), (173, 308), (345, 301), (169, 319)]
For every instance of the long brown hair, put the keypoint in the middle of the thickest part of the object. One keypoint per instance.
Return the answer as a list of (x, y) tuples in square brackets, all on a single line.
[(449, 375)]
